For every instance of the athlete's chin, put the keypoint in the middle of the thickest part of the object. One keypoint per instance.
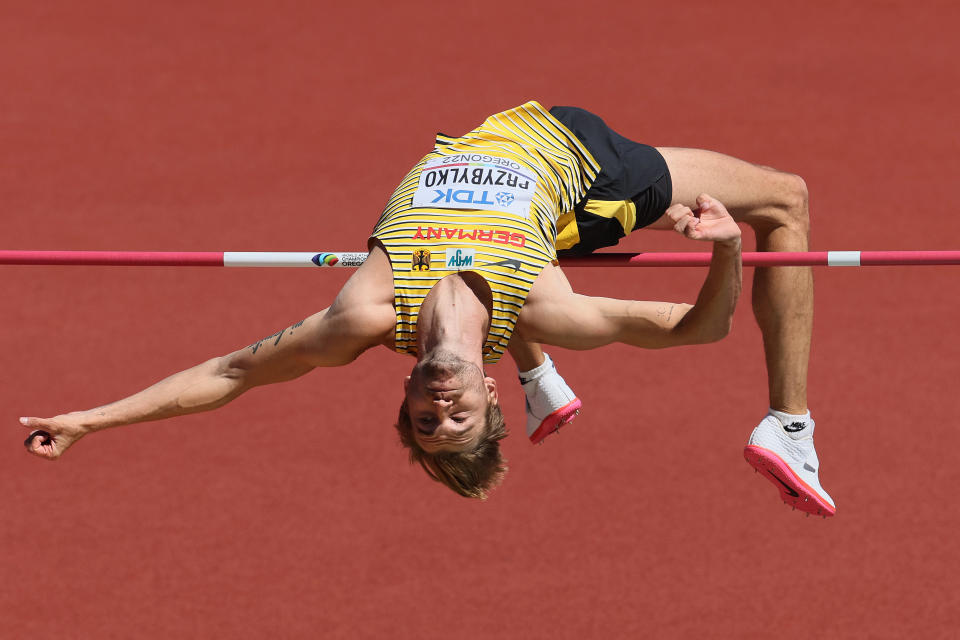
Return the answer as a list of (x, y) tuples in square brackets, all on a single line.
[(441, 365), (438, 377)]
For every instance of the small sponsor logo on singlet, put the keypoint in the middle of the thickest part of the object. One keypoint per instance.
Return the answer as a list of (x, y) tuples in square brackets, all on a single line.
[(461, 258), (421, 260), (512, 262)]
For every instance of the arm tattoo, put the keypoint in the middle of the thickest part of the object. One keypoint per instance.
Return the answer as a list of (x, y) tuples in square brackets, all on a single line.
[(278, 335), (666, 312)]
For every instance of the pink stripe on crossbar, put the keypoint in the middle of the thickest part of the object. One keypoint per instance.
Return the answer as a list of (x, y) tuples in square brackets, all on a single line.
[(878, 258), (762, 259), (750, 259), (755, 259), (115, 258)]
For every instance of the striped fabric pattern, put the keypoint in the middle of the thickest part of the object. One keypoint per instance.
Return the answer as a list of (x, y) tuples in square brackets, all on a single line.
[(508, 250)]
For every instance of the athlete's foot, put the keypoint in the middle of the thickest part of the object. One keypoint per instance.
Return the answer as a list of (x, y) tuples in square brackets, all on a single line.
[(782, 450), (550, 402)]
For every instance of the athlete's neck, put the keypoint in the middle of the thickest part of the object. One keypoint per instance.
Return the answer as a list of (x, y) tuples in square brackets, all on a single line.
[(455, 316)]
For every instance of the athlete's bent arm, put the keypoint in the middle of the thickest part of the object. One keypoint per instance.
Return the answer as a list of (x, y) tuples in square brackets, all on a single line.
[(555, 315)]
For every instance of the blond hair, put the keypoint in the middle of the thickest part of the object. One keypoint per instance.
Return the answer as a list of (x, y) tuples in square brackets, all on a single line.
[(471, 473)]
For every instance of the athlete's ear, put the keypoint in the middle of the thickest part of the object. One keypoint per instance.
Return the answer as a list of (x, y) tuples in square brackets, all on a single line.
[(493, 396), (406, 384)]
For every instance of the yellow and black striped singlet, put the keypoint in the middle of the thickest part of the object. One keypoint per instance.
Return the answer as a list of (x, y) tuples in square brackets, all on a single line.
[(486, 202)]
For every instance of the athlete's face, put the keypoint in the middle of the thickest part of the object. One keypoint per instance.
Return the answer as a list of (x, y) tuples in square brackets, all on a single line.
[(447, 398)]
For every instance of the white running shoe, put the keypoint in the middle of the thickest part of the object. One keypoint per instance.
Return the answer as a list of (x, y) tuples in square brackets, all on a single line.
[(550, 402), (783, 452)]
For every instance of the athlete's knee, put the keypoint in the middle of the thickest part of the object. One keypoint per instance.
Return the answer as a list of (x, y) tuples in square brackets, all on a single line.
[(792, 202), (797, 201), (785, 204)]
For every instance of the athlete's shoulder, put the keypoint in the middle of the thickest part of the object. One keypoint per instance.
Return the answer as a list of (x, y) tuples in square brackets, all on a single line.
[(364, 305), (550, 283), (547, 297)]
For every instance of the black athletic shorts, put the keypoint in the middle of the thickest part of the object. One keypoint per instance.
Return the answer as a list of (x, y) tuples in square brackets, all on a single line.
[(632, 190)]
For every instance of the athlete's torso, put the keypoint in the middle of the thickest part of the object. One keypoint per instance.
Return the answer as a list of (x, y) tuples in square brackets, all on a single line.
[(486, 202)]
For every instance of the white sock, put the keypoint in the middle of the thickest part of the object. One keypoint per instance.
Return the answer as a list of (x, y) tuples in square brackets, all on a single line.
[(796, 425), (533, 374)]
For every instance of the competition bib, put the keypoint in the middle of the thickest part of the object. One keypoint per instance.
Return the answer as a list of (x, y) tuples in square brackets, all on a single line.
[(476, 181)]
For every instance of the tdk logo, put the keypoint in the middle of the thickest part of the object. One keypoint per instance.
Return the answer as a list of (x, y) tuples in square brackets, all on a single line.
[(460, 258), (462, 196)]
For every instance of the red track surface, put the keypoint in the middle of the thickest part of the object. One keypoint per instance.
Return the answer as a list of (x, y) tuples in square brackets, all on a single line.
[(292, 513)]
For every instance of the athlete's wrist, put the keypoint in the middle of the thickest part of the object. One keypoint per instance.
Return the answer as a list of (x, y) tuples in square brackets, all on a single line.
[(85, 421), (728, 245)]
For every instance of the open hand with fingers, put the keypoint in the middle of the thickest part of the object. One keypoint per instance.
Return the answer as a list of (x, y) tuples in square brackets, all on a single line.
[(50, 437), (711, 221)]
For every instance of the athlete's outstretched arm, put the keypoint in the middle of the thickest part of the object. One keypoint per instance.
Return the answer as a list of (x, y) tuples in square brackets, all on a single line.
[(326, 339), (361, 317), (555, 315)]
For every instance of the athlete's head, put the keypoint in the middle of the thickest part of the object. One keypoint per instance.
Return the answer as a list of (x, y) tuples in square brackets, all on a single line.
[(452, 425)]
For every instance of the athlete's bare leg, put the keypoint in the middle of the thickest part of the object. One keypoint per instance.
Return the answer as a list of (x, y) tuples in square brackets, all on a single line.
[(774, 204), (527, 355)]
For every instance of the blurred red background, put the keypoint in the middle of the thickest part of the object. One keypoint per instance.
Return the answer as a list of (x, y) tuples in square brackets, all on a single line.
[(292, 513)]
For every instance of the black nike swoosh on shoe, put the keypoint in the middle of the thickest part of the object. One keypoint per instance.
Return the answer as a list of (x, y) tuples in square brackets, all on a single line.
[(511, 262), (793, 427), (809, 468), (785, 485)]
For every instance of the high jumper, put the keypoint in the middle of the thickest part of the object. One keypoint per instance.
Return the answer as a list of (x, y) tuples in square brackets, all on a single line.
[(463, 267)]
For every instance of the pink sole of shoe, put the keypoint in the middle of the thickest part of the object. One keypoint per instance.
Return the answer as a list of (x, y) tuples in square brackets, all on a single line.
[(555, 420), (794, 491)]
